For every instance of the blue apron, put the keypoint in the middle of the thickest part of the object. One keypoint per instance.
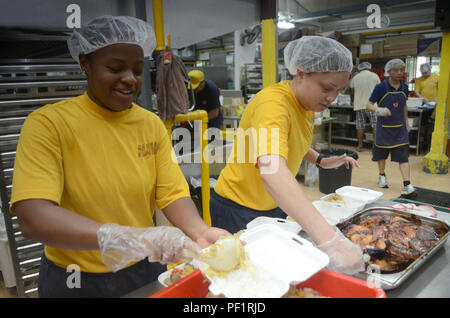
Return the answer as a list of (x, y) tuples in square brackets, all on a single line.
[(391, 130)]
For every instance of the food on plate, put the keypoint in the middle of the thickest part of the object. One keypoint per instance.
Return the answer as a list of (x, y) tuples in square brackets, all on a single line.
[(295, 292), (178, 273), (335, 198), (393, 242)]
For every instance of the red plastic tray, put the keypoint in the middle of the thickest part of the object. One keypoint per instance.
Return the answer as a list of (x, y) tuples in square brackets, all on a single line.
[(326, 282)]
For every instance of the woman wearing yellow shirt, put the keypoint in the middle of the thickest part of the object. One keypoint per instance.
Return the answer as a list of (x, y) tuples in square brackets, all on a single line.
[(426, 86), (279, 121), (89, 171)]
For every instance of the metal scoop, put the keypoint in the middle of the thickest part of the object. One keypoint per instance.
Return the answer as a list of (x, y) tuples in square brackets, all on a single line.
[(223, 256)]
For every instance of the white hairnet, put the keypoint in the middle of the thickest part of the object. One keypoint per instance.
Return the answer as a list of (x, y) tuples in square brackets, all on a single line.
[(107, 30), (425, 67), (390, 64), (317, 54), (364, 66)]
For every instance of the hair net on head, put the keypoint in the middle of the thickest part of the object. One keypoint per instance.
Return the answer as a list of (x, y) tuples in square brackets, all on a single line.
[(364, 66), (107, 30), (390, 64), (425, 67), (317, 54)]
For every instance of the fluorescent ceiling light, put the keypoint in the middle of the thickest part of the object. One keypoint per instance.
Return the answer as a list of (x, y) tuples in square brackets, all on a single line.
[(285, 25)]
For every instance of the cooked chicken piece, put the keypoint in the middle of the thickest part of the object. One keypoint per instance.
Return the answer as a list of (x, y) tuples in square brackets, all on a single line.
[(372, 221), (366, 240), (410, 232), (381, 243), (352, 229), (356, 238)]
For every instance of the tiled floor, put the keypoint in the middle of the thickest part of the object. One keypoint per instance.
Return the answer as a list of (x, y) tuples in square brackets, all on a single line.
[(367, 177)]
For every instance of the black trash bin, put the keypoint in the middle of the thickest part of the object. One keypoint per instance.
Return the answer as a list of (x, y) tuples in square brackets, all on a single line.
[(332, 179)]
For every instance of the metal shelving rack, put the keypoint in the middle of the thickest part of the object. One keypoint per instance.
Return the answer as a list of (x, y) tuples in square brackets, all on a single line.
[(253, 78), (26, 85)]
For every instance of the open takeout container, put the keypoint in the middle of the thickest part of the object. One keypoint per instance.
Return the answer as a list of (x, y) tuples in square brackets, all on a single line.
[(280, 257)]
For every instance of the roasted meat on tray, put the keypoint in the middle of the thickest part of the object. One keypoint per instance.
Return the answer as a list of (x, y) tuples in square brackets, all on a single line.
[(393, 242)]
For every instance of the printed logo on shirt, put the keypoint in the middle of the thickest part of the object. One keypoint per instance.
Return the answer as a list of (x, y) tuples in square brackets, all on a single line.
[(395, 104), (148, 149)]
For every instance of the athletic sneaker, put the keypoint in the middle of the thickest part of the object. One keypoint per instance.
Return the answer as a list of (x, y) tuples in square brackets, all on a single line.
[(407, 190), (382, 182)]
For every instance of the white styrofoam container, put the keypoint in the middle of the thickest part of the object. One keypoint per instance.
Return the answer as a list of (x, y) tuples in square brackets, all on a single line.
[(333, 212), (356, 193), (285, 224), (162, 277), (414, 102), (287, 257), (349, 202)]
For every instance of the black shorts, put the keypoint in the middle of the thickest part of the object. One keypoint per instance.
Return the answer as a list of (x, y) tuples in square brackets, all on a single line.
[(398, 154), (53, 281), (233, 217)]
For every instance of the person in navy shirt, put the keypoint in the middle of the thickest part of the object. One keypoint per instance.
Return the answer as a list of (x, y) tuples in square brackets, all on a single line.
[(207, 98), (391, 134)]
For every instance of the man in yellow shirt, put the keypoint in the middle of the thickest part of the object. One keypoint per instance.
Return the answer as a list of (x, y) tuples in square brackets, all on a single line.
[(259, 178), (426, 86), (89, 171)]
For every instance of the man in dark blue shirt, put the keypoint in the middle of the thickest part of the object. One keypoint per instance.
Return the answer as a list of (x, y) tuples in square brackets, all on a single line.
[(391, 134), (207, 98)]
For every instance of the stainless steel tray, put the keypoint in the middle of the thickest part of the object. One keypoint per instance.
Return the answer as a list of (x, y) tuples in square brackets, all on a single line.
[(391, 281)]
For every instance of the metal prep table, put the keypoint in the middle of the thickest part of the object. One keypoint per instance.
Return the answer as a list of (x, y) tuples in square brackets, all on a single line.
[(431, 280)]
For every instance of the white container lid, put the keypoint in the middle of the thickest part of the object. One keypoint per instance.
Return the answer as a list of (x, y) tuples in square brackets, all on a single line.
[(284, 224), (287, 257), (333, 212), (366, 195)]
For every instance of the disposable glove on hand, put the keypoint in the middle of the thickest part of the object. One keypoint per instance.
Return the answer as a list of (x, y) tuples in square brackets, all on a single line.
[(383, 112), (121, 245), (345, 256)]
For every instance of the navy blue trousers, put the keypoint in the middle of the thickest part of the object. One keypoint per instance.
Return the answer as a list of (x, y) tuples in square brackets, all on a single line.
[(233, 217), (52, 282)]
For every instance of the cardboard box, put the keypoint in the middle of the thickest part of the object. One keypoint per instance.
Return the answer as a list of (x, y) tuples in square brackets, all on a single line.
[(378, 49), (365, 51), (403, 45), (335, 35), (353, 40), (429, 47), (371, 50)]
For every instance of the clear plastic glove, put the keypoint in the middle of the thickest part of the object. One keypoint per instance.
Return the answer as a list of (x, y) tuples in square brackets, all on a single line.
[(383, 112), (122, 245), (345, 256)]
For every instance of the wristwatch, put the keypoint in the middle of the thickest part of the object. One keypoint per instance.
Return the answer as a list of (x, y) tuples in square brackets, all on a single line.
[(318, 160)]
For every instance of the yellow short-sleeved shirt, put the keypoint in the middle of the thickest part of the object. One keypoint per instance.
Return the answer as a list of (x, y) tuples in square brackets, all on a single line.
[(427, 87), (289, 134), (112, 167)]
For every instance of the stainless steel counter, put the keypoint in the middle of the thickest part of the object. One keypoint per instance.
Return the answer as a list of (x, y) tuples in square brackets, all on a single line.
[(431, 280)]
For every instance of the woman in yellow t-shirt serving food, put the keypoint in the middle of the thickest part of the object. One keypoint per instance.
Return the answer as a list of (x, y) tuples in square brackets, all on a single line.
[(89, 171), (279, 122)]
